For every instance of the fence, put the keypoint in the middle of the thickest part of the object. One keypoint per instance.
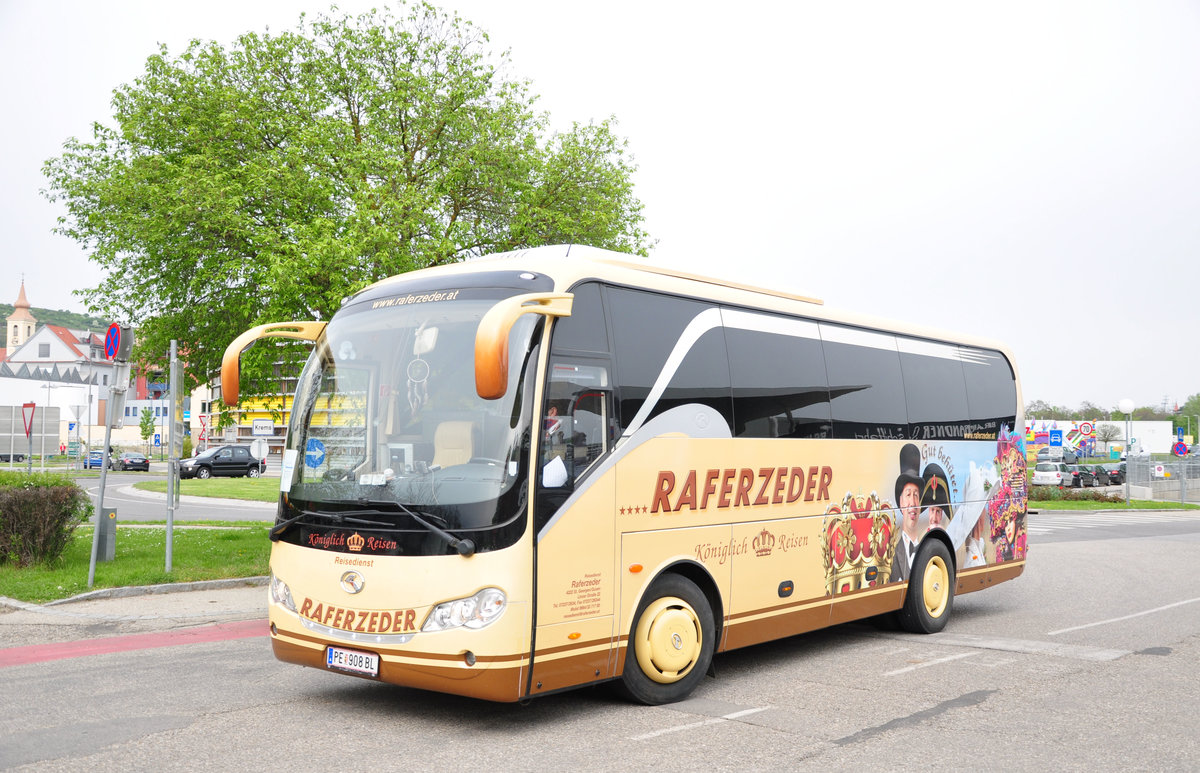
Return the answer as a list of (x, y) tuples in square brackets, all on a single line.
[(1175, 481)]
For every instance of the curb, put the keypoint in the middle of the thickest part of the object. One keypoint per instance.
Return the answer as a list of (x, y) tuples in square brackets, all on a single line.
[(140, 590)]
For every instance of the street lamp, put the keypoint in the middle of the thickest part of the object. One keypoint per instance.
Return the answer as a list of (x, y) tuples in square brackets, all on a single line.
[(1126, 407)]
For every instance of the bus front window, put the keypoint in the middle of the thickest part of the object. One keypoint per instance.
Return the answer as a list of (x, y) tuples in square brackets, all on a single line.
[(386, 422)]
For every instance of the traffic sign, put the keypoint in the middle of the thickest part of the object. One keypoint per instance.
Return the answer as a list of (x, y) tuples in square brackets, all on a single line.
[(1056, 438), (1179, 434), (27, 411), (118, 342), (157, 439), (1087, 429), (1180, 449)]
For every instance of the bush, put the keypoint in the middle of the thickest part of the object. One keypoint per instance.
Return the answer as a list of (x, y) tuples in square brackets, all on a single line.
[(1055, 494), (187, 447), (38, 516)]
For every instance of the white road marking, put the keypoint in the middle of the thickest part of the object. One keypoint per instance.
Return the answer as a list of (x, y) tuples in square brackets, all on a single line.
[(694, 725), (1124, 617), (939, 661)]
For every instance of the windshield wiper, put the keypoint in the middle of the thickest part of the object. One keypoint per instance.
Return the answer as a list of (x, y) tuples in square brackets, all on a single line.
[(465, 547), (336, 517)]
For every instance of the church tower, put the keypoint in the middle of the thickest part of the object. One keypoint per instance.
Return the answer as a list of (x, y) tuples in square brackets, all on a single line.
[(20, 324)]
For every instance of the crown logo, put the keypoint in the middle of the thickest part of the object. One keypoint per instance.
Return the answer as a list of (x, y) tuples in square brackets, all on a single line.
[(355, 542), (763, 542), (857, 543)]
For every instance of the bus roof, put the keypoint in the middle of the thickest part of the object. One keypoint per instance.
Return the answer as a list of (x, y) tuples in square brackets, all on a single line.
[(569, 264)]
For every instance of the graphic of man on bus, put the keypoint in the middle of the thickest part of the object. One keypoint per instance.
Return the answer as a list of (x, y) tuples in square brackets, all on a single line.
[(935, 496), (908, 498)]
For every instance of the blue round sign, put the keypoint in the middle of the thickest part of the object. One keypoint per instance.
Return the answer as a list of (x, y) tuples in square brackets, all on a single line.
[(112, 341), (314, 453), (1180, 449)]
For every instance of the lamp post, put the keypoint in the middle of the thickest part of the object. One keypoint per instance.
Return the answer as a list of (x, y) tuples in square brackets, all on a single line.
[(1126, 407)]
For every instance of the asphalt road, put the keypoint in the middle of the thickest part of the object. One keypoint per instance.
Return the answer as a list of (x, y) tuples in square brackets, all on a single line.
[(136, 505), (1086, 662)]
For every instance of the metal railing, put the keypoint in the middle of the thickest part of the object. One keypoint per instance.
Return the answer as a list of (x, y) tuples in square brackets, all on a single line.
[(1174, 481)]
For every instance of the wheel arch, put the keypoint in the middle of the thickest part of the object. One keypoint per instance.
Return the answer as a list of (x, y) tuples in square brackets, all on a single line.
[(702, 579)]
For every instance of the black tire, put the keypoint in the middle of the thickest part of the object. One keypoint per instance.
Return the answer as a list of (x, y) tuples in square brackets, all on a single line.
[(254, 472), (670, 643), (930, 595), (203, 472)]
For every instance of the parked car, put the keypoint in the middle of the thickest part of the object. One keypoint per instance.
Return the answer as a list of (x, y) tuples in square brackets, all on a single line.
[(1115, 472), (231, 461), (1057, 454), (17, 457), (130, 460), (94, 460), (1081, 476), (1051, 474), (1101, 474)]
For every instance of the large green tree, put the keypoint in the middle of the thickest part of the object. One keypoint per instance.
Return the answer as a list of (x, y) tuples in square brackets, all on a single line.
[(267, 180)]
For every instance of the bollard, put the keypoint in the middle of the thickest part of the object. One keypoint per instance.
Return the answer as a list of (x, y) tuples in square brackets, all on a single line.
[(106, 530)]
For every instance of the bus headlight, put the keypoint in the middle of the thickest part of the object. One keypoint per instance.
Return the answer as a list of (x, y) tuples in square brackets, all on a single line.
[(281, 594), (482, 609)]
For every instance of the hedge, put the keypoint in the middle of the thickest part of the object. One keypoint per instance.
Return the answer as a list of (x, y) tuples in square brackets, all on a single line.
[(38, 516)]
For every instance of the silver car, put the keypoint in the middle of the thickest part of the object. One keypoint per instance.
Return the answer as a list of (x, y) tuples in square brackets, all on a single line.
[(1051, 474)]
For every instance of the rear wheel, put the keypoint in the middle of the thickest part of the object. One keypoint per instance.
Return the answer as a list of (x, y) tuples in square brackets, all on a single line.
[(671, 644), (930, 595), (254, 473)]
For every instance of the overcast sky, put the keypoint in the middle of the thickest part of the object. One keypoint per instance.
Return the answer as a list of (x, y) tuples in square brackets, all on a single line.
[(1028, 171)]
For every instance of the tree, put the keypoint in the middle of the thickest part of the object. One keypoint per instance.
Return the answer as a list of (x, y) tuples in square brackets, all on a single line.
[(1107, 433), (146, 425), (268, 180)]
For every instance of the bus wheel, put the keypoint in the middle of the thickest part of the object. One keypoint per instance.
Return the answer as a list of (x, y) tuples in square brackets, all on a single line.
[(671, 644), (930, 593)]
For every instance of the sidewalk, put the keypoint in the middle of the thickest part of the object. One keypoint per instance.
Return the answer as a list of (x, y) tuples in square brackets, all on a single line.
[(120, 611)]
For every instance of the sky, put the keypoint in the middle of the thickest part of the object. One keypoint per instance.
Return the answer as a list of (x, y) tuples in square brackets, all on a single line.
[(1024, 171)]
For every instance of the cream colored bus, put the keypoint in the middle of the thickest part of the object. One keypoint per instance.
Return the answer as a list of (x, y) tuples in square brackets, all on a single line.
[(556, 467)]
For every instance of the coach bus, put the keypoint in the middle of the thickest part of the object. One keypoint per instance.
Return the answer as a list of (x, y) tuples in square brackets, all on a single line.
[(556, 467)]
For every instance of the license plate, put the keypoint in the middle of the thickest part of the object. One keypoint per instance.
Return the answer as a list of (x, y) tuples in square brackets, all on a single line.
[(352, 660)]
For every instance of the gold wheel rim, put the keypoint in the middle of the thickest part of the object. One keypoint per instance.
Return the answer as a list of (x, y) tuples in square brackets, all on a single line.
[(668, 640), (936, 587)]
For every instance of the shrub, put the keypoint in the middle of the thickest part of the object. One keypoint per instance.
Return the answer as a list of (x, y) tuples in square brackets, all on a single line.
[(187, 447), (1055, 494), (38, 516)]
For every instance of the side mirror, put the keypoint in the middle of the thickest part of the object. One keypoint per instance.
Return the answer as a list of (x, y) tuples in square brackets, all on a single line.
[(491, 339), (301, 331)]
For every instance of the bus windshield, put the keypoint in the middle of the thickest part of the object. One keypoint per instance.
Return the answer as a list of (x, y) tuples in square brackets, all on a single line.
[(386, 422)]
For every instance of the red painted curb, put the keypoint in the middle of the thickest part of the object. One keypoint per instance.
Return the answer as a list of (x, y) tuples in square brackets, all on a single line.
[(40, 653)]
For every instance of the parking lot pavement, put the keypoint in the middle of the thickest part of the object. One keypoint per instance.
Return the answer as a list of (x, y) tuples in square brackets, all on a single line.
[(122, 611)]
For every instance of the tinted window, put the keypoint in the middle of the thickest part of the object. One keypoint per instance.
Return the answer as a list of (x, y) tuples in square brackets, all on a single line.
[(660, 338), (584, 329), (934, 390), (778, 374), (991, 389), (865, 383)]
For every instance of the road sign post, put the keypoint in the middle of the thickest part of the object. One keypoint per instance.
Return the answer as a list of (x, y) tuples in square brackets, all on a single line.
[(27, 411), (118, 343)]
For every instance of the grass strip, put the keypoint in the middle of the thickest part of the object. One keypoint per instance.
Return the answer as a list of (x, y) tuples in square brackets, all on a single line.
[(198, 553), (252, 489)]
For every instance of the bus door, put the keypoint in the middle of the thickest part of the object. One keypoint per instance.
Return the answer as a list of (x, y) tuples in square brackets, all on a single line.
[(575, 527)]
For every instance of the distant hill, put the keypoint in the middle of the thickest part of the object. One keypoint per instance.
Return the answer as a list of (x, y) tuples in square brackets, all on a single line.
[(67, 319)]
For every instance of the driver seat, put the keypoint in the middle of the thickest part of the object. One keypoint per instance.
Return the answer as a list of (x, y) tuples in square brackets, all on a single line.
[(453, 443)]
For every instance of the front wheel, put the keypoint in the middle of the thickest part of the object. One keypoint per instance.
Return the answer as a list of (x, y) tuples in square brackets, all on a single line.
[(203, 473), (930, 595), (671, 643)]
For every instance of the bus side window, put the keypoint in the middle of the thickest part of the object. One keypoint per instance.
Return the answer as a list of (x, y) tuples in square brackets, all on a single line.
[(577, 428)]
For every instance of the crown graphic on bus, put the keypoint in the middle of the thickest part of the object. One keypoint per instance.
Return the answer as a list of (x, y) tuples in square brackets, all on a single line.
[(857, 543)]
